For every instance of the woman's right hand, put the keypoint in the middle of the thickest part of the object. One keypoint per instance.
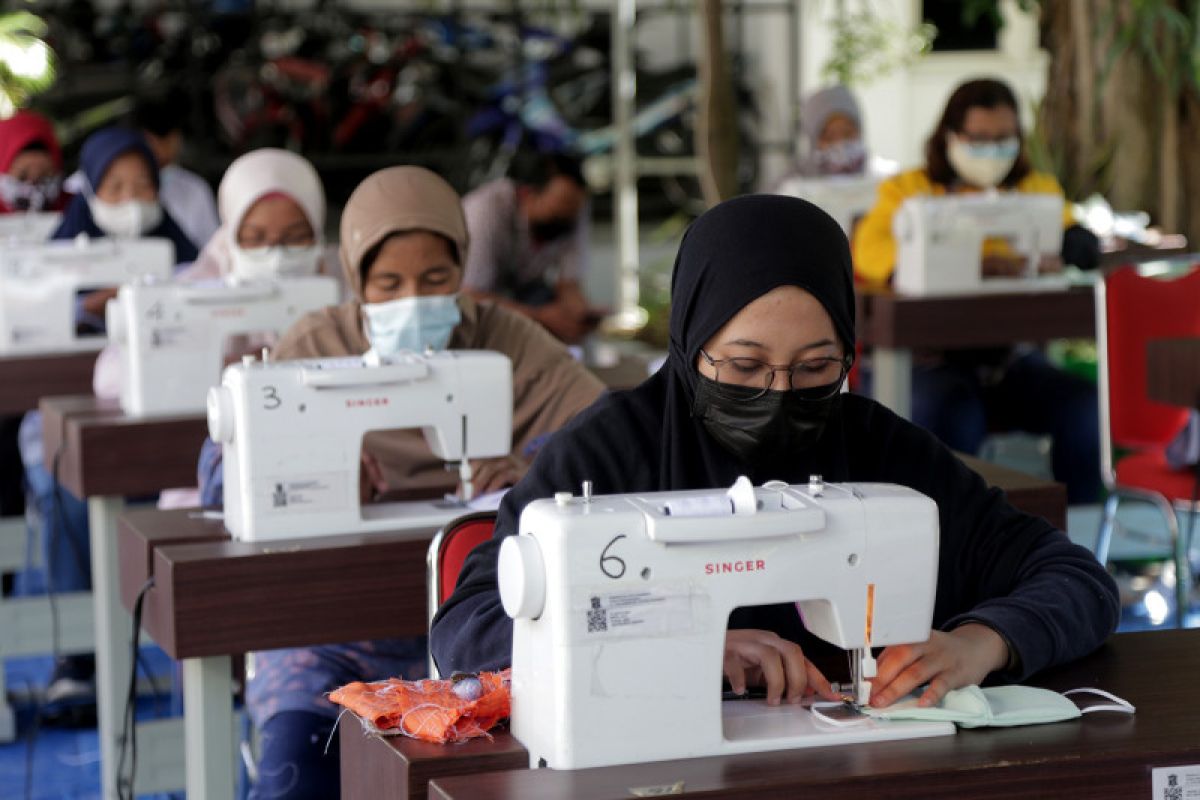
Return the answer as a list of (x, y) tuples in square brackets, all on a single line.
[(998, 265), (371, 483), (764, 658)]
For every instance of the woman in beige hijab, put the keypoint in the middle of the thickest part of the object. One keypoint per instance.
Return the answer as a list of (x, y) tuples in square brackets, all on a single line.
[(403, 245)]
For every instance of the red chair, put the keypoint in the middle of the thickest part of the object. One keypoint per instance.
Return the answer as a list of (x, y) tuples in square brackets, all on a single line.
[(1132, 309), (447, 552)]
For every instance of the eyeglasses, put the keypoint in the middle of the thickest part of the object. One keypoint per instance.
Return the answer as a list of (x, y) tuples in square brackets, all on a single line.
[(289, 244), (825, 373)]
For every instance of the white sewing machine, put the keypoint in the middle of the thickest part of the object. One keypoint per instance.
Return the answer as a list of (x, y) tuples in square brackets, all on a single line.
[(939, 241), (29, 226), (292, 433), (39, 285), (845, 198), (620, 605), (174, 336)]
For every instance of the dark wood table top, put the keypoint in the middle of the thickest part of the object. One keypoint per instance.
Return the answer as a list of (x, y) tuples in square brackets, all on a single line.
[(888, 319), (1098, 756), (214, 596), (395, 767), (104, 452), (1173, 371), (26, 379)]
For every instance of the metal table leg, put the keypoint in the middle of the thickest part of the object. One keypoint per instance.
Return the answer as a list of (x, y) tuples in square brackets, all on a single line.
[(208, 727), (114, 629)]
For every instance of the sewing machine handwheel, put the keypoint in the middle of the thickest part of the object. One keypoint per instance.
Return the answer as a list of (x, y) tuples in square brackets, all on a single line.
[(220, 414), (522, 577), (114, 321)]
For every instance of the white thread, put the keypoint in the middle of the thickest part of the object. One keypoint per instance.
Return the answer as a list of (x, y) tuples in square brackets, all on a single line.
[(1120, 705)]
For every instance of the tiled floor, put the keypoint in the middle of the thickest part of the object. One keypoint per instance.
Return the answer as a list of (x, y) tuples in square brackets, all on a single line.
[(66, 763)]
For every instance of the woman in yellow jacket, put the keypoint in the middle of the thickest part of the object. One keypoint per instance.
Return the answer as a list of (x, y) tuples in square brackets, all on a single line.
[(963, 394)]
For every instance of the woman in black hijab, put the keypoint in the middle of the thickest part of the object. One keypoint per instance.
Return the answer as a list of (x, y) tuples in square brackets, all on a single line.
[(767, 279)]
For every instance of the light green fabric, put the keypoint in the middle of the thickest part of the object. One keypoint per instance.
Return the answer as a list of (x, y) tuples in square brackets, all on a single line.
[(995, 706)]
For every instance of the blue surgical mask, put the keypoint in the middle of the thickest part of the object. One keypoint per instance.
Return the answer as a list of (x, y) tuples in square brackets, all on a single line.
[(411, 323)]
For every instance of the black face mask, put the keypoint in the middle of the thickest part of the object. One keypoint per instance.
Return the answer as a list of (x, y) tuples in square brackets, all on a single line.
[(762, 429), (548, 230)]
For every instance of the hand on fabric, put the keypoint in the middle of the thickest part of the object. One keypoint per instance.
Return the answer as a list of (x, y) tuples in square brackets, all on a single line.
[(370, 479), (94, 302), (1050, 264), (998, 265), (964, 656), (493, 474), (762, 657)]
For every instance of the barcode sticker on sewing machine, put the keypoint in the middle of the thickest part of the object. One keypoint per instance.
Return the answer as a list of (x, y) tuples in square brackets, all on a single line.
[(320, 492), (1175, 783), (175, 337), (646, 612)]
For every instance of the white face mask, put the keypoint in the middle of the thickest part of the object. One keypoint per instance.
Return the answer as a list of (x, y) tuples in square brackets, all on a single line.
[(982, 164), (276, 261), (411, 323), (29, 196), (843, 158), (126, 220)]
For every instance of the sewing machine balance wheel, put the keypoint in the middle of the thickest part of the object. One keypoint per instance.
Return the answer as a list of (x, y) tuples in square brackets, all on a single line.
[(522, 577), (114, 321), (220, 414)]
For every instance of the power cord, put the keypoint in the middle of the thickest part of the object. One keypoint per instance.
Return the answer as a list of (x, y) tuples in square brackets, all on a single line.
[(129, 724)]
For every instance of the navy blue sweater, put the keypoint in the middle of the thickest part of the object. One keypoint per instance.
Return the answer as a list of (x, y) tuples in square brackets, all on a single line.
[(1048, 598)]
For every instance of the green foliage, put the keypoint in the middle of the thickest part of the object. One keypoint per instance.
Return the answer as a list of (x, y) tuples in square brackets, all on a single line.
[(26, 62), (867, 46)]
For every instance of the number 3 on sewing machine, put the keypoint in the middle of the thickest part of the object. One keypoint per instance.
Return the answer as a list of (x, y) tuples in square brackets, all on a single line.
[(271, 399)]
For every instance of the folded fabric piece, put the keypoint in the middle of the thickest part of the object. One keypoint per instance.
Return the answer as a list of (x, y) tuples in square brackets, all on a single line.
[(1000, 706), (432, 710)]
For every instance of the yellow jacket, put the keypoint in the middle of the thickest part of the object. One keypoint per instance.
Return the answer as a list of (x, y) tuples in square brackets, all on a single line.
[(874, 248)]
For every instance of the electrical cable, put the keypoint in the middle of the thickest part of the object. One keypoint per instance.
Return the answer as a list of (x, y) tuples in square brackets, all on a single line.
[(129, 722)]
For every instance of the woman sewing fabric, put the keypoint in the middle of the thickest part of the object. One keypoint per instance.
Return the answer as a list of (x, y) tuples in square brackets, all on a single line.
[(403, 243), (272, 210), (761, 328), (963, 395)]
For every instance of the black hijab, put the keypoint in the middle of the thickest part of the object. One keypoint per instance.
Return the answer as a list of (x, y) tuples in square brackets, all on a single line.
[(732, 255)]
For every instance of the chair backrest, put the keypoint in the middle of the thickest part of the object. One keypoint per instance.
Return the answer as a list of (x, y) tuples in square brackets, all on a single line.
[(1132, 309), (447, 553)]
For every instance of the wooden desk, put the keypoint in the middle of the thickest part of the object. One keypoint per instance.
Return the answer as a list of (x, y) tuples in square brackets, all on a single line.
[(895, 325), (103, 457), (399, 768), (214, 598), (26, 379), (1098, 756), (1173, 371)]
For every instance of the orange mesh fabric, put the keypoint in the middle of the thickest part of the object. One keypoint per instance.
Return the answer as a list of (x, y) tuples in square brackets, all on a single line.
[(429, 710)]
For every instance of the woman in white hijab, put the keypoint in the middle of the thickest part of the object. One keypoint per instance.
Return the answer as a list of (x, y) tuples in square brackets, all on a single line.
[(272, 209)]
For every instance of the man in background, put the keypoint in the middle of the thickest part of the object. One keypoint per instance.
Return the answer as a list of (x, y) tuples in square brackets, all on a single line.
[(529, 240)]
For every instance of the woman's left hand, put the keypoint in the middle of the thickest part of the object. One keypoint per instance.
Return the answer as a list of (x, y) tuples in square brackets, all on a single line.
[(964, 656), (493, 474), (1050, 264)]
